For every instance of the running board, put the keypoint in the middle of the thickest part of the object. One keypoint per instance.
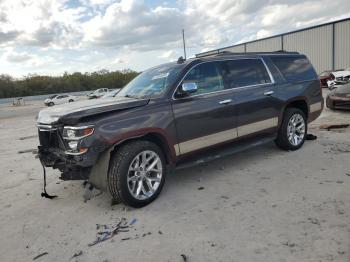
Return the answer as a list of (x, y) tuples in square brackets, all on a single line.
[(233, 148)]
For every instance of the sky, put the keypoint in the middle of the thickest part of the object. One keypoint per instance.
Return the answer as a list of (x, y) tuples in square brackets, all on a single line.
[(55, 36)]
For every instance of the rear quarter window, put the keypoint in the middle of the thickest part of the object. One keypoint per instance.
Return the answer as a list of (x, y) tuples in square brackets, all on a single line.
[(295, 69)]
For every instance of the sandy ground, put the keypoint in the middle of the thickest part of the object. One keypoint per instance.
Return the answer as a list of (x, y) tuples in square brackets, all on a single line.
[(260, 205)]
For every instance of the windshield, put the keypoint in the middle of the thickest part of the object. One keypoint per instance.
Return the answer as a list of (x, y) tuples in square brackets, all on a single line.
[(153, 82)]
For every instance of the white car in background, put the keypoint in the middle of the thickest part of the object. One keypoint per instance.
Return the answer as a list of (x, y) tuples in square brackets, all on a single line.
[(98, 93), (60, 99), (339, 78)]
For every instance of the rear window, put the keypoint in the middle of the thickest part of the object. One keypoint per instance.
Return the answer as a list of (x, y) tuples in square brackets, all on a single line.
[(295, 68), (244, 72)]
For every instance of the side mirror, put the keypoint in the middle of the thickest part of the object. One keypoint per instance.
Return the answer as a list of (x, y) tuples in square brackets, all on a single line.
[(189, 87)]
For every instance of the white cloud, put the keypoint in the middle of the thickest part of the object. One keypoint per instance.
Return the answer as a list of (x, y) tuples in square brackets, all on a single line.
[(132, 23), (60, 35), (168, 54)]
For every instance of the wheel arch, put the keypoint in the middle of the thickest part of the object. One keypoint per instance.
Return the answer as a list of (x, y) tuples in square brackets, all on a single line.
[(98, 174), (155, 137), (299, 102)]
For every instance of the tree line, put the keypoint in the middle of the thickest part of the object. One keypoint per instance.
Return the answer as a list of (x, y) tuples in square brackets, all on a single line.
[(32, 85)]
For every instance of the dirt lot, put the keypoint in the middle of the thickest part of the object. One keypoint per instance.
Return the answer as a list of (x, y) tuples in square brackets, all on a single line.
[(261, 205)]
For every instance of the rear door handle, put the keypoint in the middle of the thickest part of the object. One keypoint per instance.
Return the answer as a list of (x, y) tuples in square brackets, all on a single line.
[(268, 93), (226, 101)]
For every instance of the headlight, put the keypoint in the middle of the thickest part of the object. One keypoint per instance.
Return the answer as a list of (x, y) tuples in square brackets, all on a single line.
[(73, 145), (72, 135), (77, 133)]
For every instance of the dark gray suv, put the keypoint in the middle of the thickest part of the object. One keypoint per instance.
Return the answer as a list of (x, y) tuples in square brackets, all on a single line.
[(180, 113)]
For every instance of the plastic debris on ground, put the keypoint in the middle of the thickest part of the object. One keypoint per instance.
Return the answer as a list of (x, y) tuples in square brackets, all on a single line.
[(106, 232), (77, 254), (334, 126), (42, 254), (311, 137)]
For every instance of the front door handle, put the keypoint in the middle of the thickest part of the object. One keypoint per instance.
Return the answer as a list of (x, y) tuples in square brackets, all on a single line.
[(226, 101), (268, 93)]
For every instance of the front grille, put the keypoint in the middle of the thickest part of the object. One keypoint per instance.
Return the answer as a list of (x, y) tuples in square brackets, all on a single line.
[(49, 136)]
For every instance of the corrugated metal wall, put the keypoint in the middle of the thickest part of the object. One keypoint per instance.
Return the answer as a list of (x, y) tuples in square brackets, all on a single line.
[(342, 45), (327, 46), (237, 49), (208, 53), (267, 45), (315, 43)]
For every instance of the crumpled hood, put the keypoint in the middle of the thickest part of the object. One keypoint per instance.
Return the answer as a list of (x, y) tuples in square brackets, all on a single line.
[(70, 113)]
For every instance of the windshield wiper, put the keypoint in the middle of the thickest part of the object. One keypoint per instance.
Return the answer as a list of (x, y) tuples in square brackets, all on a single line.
[(132, 96)]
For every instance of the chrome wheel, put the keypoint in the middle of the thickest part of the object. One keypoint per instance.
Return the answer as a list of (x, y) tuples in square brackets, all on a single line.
[(144, 175), (296, 129)]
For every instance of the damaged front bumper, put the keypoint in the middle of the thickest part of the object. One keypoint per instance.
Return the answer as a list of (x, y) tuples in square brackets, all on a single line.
[(72, 167)]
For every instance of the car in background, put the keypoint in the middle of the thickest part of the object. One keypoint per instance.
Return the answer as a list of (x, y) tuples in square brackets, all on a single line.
[(98, 93), (60, 99), (339, 98), (111, 93), (340, 77), (325, 76)]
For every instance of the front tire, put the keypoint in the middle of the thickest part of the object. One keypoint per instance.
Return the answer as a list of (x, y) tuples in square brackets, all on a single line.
[(137, 173), (293, 130), (51, 104)]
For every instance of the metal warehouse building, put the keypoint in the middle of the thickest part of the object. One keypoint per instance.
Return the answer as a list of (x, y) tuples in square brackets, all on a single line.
[(326, 45)]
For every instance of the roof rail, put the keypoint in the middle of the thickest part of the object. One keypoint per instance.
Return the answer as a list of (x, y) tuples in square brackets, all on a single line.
[(225, 52)]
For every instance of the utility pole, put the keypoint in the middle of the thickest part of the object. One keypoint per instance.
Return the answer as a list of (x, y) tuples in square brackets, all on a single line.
[(183, 40)]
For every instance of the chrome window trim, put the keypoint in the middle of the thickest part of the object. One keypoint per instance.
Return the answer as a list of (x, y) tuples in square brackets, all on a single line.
[(229, 89)]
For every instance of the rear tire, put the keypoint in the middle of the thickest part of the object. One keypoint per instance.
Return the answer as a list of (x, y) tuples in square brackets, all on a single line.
[(129, 180), (290, 136)]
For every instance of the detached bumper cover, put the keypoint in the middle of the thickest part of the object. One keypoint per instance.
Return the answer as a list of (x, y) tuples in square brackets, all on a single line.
[(52, 157), (72, 167)]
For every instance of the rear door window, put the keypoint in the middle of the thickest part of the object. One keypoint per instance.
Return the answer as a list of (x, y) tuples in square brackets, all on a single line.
[(295, 68), (244, 72)]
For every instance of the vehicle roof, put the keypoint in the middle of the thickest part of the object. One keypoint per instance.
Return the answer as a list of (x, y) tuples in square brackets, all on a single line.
[(226, 55)]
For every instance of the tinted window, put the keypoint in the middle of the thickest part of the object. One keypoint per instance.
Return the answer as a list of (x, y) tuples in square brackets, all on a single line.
[(207, 78), (295, 68), (244, 72)]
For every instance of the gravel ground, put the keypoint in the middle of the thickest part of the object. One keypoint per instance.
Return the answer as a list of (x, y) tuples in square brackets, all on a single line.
[(260, 205)]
